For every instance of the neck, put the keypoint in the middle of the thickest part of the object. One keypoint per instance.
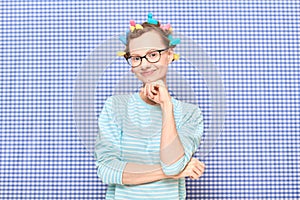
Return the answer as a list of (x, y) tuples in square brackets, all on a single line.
[(163, 80)]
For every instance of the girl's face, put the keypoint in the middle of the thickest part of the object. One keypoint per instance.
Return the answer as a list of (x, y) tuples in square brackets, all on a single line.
[(148, 44)]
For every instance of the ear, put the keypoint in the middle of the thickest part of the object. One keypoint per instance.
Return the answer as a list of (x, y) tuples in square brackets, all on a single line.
[(170, 55)]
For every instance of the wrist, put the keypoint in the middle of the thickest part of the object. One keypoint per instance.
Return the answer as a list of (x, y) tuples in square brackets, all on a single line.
[(166, 105), (172, 177)]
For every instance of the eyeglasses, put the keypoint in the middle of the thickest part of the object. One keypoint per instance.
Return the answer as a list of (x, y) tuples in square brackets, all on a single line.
[(152, 57)]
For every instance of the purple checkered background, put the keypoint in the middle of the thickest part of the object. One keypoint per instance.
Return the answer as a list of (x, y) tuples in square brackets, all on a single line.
[(254, 45)]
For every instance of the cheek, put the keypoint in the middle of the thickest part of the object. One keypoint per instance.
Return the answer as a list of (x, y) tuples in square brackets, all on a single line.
[(134, 71), (164, 61)]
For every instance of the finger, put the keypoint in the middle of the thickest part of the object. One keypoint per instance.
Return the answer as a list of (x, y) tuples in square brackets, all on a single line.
[(197, 171), (152, 89), (201, 166), (194, 176), (198, 163), (155, 89), (149, 93), (198, 167), (145, 90)]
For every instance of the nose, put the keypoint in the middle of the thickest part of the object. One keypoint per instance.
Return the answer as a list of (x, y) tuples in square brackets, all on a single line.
[(145, 64)]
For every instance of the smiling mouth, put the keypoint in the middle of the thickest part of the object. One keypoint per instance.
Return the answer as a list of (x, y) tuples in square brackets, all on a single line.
[(148, 73)]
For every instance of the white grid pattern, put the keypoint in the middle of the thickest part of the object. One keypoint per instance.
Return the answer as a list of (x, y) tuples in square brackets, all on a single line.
[(254, 44)]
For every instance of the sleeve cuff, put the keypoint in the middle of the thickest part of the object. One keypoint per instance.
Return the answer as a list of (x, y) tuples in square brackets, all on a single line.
[(112, 173), (118, 173), (175, 168)]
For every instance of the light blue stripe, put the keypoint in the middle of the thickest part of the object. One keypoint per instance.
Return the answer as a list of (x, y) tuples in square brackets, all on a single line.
[(140, 145)]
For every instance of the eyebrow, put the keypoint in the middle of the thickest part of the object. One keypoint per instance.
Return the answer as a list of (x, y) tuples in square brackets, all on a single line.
[(149, 51)]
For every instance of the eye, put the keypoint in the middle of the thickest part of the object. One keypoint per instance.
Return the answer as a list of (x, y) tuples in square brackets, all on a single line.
[(135, 58), (153, 54)]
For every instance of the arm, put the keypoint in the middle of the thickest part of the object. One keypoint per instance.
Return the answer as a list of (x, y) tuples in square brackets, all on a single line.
[(114, 171), (110, 166), (171, 148), (189, 130), (135, 174), (178, 143), (107, 148)]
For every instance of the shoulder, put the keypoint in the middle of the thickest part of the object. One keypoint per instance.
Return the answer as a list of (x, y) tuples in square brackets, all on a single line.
[(186, 108), (115, 107), (121, 98), (187, 113), (117, 101)]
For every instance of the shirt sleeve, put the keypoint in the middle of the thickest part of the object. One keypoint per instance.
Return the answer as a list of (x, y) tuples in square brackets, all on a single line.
[(190, 131), (109, 165)]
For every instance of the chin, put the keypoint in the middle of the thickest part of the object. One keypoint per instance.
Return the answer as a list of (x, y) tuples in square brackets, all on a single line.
[(150, 79)]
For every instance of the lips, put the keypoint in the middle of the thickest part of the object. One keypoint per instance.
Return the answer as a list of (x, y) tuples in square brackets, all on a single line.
[(148, 73)]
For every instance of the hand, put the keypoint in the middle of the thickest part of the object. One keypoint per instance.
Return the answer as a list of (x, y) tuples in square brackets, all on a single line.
[(156, 92), (194, 169)]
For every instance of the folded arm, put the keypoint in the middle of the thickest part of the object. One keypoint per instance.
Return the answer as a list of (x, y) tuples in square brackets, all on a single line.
[(110, 167), (178, 141), (113, 170)]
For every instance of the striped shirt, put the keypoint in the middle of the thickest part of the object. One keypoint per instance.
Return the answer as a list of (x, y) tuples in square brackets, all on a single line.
[(129, 131)]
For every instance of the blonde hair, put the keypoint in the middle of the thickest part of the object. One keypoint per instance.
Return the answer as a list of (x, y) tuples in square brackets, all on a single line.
[(147, 27)]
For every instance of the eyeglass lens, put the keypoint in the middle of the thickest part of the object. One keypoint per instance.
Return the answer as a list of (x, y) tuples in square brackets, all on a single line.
[(152, 57)]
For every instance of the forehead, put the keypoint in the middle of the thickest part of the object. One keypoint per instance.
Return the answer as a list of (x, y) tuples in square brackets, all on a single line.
[(145, 42)]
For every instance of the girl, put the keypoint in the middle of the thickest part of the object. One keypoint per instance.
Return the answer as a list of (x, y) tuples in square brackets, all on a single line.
[(146, 140)]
